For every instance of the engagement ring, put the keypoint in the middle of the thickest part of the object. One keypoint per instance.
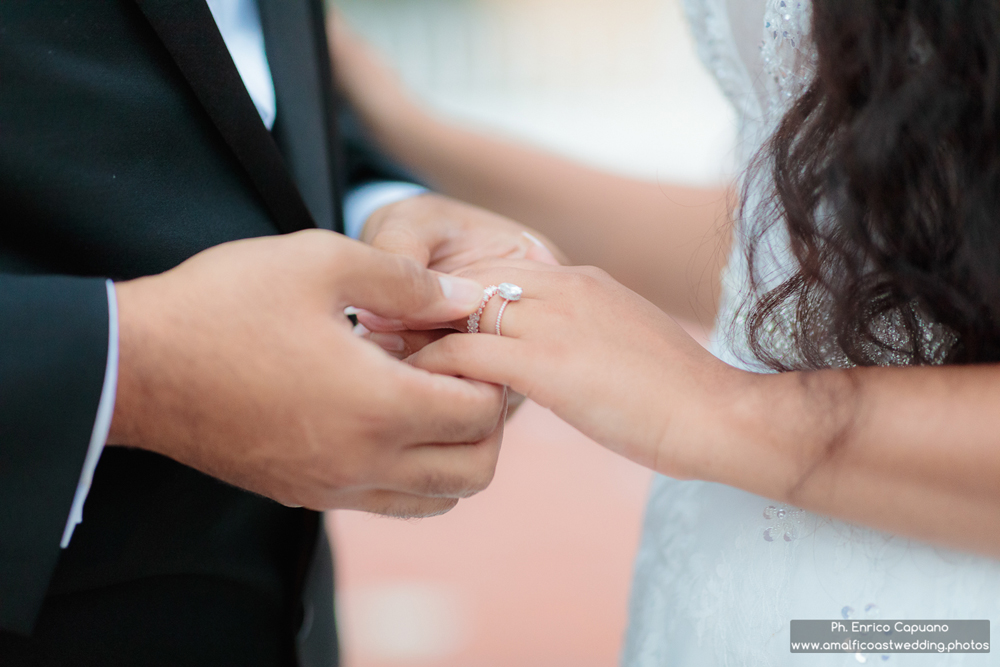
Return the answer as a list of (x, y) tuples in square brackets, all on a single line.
[(507, 291)]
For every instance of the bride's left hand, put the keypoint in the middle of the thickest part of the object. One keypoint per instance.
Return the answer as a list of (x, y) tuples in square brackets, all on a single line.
[(605, 360)]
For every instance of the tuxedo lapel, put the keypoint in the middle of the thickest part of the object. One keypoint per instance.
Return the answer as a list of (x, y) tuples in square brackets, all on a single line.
[(189, 32), (305, 128)]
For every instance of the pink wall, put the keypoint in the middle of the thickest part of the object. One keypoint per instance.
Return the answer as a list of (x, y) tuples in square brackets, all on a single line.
[(534, 571)]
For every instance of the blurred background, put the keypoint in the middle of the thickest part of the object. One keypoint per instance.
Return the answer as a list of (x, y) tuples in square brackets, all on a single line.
[(535, 571)]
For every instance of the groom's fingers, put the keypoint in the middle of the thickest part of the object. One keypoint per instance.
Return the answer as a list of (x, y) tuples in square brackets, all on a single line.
[(396, 287), (401, 344), (451, 471), (456, 470), (392, 503), (446, 409), (448, 235), (534, 278), (409, 241)]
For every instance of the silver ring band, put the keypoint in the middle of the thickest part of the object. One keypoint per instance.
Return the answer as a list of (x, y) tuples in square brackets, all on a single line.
[(508, 292), (500, 316)]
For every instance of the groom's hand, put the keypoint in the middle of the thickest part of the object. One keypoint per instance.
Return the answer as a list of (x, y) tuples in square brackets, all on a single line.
[(241, 364), (447, 235)]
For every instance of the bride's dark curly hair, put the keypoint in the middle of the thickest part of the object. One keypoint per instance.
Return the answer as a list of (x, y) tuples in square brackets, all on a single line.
[(886, 172)]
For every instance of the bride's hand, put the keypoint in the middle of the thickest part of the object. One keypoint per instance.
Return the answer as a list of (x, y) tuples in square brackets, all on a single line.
[(605, 360)]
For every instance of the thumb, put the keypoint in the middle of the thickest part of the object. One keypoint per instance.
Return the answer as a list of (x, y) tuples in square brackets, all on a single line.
[(397, 287)]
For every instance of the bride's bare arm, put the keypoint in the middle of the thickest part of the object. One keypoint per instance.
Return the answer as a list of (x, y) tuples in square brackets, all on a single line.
[(666, 242), (914, 451)]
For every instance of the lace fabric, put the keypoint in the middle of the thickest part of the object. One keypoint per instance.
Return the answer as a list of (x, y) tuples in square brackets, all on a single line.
[(787, 55), (721, 572)]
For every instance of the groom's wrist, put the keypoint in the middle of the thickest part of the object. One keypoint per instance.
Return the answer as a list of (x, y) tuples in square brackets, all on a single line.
[(361, 203)]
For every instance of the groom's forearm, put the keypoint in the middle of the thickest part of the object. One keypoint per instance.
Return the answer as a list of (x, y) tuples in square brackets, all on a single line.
[(914, 451)]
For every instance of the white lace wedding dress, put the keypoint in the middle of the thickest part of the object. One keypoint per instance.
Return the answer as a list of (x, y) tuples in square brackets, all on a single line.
[(720, 572)]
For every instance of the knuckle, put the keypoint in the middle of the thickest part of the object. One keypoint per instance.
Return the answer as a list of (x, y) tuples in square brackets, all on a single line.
[(391, 237), (381, 429), (588, 278), (484, 431), (320, 248), (572, 282), (483, 425), (480, 481), (411, 275), (485, 464), (594, 272), (318, 240), (346, 473)]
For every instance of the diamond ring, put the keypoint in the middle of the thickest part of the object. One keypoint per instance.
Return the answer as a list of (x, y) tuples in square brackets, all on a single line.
[(508, 292), (488, 293)]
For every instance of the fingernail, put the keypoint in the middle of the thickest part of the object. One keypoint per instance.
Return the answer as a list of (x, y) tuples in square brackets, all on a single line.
[(376, 323), (388, 342), (534, 240), (461, 290)]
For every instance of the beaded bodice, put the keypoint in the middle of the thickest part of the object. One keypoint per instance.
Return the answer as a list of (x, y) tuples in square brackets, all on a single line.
[(761, 54)]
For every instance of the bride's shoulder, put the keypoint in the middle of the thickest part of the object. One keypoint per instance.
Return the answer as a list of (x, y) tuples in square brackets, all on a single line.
[(712, 27), (759, 51)]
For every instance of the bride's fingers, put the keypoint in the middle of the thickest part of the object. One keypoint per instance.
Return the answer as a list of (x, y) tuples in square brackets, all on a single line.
[(538, 282), (515, 316), (486, 358), (535, 279), (401, 344)]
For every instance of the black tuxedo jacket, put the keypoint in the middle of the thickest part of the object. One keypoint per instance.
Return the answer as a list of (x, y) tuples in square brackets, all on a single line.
[(128, 143)]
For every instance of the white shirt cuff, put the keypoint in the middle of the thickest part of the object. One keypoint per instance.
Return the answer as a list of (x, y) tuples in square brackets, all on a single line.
[(102, 424), (360, 203)]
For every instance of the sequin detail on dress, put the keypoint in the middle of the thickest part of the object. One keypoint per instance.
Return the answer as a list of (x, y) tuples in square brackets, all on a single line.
[(871, 613), (784, 522), (787, 53)]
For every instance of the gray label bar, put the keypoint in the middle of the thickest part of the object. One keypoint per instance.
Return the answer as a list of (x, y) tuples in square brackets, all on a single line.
[(877, 636)]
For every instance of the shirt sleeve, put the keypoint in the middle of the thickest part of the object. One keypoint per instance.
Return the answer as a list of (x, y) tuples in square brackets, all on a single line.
[(361, 202), (102, 423)]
